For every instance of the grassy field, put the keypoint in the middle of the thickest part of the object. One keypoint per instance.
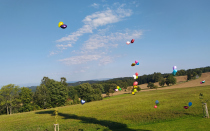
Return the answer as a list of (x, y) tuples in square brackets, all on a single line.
[(121, 113)]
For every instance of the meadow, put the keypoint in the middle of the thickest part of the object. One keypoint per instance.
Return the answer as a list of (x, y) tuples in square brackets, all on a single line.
[(124, 112)]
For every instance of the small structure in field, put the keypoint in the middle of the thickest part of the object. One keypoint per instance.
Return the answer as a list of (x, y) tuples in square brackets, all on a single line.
[(56, 116), (204, 105)]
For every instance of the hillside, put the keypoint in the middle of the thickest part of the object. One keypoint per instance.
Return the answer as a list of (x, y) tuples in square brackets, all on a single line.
[(120, 113), (33, 88), (81, 82), (181, 83)]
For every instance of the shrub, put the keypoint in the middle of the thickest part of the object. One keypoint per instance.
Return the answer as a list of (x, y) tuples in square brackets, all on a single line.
[(156, 87), (150, 85)]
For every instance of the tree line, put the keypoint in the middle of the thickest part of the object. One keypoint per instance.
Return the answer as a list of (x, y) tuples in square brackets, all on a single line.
[(49, 94)]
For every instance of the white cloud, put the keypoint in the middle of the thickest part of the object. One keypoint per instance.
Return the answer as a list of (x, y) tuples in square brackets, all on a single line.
[(87, 67), (61, 46), (80, 59), (60, 73), (103, 31), (99, 41), (105, 60), (135, 3), (92, 22), (95, 5), (54, 52), (79, 71), (89, 50), (97, 19)]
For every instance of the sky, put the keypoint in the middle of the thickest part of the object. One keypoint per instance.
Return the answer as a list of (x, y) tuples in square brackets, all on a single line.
[(93, 46)]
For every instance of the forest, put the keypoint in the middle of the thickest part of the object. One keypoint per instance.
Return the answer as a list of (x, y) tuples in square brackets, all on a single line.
[(51, 93)]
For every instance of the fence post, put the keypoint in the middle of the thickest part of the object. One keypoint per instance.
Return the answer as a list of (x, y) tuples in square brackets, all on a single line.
[(55, 127), (205, 110)]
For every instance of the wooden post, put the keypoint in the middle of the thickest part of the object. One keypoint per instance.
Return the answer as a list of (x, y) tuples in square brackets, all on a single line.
[(55, 127), (56, 116), (205, 110)]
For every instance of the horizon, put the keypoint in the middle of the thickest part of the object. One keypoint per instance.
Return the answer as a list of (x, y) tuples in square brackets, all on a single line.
[(93, 46), (101, 79)]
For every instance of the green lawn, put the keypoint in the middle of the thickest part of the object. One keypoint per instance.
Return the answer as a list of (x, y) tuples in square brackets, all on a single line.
[(121, 113)]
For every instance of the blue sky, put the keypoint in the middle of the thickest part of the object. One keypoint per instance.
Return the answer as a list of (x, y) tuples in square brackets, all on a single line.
[(93, 46)]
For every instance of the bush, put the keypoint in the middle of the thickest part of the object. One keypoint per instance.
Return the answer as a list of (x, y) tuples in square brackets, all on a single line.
[(138, 88), (111, 91), (107, 93), (156, 87), (69, 102), (150, 85), (162, 82), (170, 80), (36, 107), (76, 99)]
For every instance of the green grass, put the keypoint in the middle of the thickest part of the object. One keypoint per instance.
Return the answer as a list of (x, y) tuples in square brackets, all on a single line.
[(121, 113)]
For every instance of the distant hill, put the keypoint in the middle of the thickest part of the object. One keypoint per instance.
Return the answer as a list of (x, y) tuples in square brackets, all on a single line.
[(33, 88), (76, 83), (88, 81)]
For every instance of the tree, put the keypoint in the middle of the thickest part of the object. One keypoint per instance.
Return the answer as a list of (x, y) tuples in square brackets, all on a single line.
[(194, 75), (42, 97), (124, 85), (199, 72), (76, 99), (108, 86), (98, 86), (58, 93), (97, 94), (181, 72), (72, 92), (56, 90), (9, 95), (162, 81), (138, 88), (189, 76), (113, 86), (170, 80), (150, 85), (26, 98), (111, 91), (86, 92), (63, 81), (156, 76), (45, 80), (107, 94), (173, 81)]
